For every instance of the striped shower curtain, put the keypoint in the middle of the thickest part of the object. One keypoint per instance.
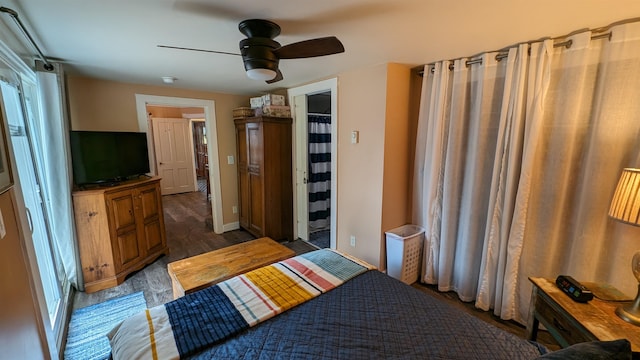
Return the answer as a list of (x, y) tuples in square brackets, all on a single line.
[(319, 171)]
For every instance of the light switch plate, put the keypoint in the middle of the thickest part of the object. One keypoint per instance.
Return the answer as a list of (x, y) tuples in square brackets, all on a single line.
[(230, 160)]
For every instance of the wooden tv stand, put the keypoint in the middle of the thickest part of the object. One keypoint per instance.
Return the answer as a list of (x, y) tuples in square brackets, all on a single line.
[(120, 230)]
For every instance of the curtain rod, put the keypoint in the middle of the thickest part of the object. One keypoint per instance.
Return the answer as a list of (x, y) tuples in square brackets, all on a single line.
[(503, 54), (47, 65)]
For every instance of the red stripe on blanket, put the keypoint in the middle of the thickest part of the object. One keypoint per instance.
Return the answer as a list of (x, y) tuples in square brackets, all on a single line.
[(242, 278), (310, 274)]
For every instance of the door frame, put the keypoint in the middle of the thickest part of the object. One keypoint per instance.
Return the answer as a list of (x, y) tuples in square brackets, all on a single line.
[(329, 85), (142, 100), (301, 164), (192, 122)]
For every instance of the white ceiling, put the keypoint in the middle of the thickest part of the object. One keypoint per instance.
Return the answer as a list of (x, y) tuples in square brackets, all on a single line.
[(117, 39)]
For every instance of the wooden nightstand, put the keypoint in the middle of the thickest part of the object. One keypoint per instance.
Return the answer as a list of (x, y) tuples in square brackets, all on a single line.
[(570, 322)]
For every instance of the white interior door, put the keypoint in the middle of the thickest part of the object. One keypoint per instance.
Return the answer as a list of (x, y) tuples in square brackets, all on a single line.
[(302, 191), (174, 156)]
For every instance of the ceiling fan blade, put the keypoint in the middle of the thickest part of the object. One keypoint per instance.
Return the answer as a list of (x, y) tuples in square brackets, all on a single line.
[(194, 49), (277, 78), (310, 48)]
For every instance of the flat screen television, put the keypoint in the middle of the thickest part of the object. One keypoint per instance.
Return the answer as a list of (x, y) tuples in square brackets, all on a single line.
[(108, 157)]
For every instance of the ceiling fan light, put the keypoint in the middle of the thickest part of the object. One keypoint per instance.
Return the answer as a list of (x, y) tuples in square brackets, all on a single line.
[(261, 74)]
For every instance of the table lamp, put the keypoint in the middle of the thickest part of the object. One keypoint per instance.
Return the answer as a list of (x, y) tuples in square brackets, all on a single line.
[(625, 207)]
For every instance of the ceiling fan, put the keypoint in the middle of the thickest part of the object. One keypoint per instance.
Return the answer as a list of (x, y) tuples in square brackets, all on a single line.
[(261, 54)]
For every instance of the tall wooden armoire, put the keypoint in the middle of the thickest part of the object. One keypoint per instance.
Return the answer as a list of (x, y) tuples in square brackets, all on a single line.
[(265, 176)]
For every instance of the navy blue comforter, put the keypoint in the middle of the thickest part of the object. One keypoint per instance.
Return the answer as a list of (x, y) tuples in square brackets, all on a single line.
[(373, 316)]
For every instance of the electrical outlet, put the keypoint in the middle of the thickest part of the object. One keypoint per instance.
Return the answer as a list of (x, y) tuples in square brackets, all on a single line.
[(234, 209), (352, 241), (355, 137)]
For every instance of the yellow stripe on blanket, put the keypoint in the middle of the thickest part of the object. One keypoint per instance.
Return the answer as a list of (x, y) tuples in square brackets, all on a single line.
[(281, 289), (152, 336), (148, 335), (268, 291)]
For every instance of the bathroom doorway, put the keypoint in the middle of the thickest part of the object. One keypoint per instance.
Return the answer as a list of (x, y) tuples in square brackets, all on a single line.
[(315, 211)]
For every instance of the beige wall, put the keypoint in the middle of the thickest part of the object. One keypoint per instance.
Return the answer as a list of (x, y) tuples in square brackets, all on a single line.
[(397, 155), (361, 107), (111, 106), (164, 112), (372, 174), (172, 112)]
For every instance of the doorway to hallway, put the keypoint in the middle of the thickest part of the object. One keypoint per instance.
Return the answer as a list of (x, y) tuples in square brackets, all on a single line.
[(315, 161), (208, 114)]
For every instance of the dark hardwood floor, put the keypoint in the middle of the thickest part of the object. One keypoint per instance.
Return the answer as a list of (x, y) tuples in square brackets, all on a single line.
[(188, 234)]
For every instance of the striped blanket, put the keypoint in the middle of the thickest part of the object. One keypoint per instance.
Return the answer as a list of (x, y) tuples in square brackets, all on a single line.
[(191, 323)]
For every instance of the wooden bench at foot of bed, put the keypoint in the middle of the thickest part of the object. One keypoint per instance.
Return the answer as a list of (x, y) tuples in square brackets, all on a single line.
[(204, 270)]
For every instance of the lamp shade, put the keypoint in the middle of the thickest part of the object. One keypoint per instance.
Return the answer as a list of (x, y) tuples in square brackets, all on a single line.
[(625, 205)]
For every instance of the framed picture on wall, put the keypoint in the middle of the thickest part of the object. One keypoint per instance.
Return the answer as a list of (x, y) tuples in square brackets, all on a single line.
[(6, 179)]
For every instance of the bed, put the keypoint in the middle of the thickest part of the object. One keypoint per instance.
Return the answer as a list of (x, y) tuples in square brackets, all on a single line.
[(356, 314)]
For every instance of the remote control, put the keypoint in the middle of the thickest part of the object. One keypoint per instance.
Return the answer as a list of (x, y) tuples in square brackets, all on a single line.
[(574, 289)]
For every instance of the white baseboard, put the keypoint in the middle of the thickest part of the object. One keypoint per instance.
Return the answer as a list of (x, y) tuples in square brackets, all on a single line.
[(231, 226)]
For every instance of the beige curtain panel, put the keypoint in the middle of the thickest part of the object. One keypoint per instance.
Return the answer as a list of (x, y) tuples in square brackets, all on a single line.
[(517, 158)]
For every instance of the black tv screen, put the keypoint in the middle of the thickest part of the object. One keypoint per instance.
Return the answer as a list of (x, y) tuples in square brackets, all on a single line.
[(105, 156)]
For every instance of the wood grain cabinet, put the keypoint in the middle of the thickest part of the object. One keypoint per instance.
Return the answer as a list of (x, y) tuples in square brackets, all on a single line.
[(265, 176), (120, 230)]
